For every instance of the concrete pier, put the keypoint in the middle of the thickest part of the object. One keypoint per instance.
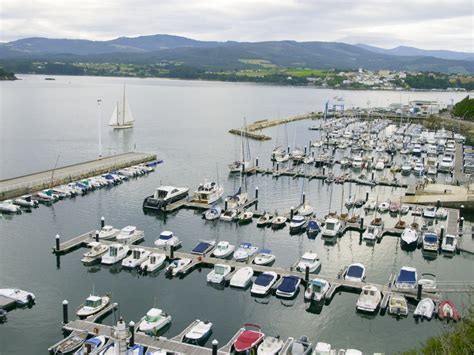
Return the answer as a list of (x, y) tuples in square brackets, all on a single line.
[(17, 186)]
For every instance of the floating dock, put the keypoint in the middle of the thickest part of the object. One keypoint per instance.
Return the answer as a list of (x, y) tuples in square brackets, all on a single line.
[(26, 184)]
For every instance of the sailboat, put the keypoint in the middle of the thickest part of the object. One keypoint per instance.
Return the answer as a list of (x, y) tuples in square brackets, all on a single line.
[(122, 116)]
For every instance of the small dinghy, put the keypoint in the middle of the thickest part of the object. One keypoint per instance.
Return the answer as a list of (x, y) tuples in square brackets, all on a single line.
[(242, 277), (289, 286), (92, 345), (203, 247), (302, 346), (154, 320), (264, 220), (198, 333), (223, 249), (213, 213), (71, 343), (397, 305), (249, 339), (447, 310), (270, 346), (264, 257), (425, 308), (93, 305), (246, 217), (153, 263), (316, 290), (278, 222)]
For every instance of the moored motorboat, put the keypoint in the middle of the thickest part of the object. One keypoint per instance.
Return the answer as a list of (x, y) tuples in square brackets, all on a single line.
[(219, 273), (264, 220), (264, 257), (312, 228), (246, 217), (409, 237), (289, 286), (223, 249), (163, 196), (7, 206), (430, 241), (213, 213), (449, 243), (369, 299), (332, 227), (309, 260), (270, 345), (70, 344), (92, 345), (203, 247), (95, 253), (21, 297), (208, 193), (441, 213), (138, 256), (167, 239), (154, 320), (372, 233), (245, 251), (94, 304), (248, 340), (153, 262), (397, 305), (278, 222), (425, 308), (263, 283), (126, 233), (116, 253), (198, 333), (177, 266), (447, 310), (26, 201), (355, 272), (301, 346), (316, 289), (108, 232), (297, 223), (407, 278), (242, 277)]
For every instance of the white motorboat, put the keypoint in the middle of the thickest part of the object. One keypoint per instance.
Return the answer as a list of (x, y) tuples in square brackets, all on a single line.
[(355, 272), (20, 296), (332, 227), (357, 163), (242, 277), (264, 220), (7, 206), (264, 257), (425, 308), (93, 305), (126, 233), (370, 205), (208, 193), (407, 278), (446, 165), (219, 273), (116, 253), (297, 223), (369, 299), (246, 217), (419, 168), (223, 249), (430, 241), (177, 265), (270, 345), (301, 346), (441, 213), (409, 237), (404, 209), (138, 256), (167, 239), (95, 253), (429, 212), (213, 213), (428, 282), (316, 289), (397, 305), (198, 333), (26, 201), (406, 168), (383, 207), (372, 233), (229, 215), (278, 222), (163, 196), (154, 320), (263, 283), (92, 345), (380, 165), (305, 210), (308, 160), (245, 251), (108, 232), (449, 243), (153, 262), (310, 260)]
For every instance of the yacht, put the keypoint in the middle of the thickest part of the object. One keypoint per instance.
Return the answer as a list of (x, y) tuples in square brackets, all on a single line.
[(219, 273), (446, 165), (154, 320), (369, 299), (407, 278), (93, 305), (165, 195), (263, 283), (223, 249), (397, 305), (153, 262), (245, 251), (208, 193), (177, 265), (332, 227), (242, 277), (316, 289), (449, 243), (126, 233), (430, 241), (138, 256), (289, 286), (116, 253), (167, 239), (355, 272), (425, 308), (310, 260), (264, 257)]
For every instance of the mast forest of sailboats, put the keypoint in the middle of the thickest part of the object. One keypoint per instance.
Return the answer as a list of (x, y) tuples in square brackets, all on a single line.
[(122, 116)]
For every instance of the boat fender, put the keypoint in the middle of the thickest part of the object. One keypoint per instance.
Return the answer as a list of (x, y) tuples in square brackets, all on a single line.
[(199, 258), (96, 330)]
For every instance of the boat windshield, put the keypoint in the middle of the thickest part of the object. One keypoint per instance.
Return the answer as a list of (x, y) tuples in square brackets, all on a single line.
[(355, 271), (431, 238), (165, 236), (308, 260), (449, 240), (317, 288), (93, 303), (219, 269), (152, 319), (162, 193), (330, 226), (113, 251)]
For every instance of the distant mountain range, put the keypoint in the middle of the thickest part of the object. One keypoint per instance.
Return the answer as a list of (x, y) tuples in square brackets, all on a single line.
[(235, 55)]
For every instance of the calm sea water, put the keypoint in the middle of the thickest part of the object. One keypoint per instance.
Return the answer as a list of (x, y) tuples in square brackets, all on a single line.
[(185, 123)]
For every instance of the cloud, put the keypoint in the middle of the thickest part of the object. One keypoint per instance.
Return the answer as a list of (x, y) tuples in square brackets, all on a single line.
[(427, 24)]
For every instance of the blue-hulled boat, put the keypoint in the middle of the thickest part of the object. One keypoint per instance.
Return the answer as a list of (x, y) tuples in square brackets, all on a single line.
[(312, 228)]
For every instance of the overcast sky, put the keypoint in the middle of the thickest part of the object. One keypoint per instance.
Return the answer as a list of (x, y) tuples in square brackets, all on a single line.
[(428, 24)]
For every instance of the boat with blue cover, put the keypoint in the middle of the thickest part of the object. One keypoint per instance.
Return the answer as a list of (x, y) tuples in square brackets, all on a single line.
[(407, 278), (355, 272), (203, 247), (263, 283), (312, 228), (289, 286)]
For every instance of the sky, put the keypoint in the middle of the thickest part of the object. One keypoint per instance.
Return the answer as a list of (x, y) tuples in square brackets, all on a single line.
[(427, 24)]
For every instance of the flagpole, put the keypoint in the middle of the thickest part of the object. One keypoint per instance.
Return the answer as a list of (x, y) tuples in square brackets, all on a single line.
[(100, 136)]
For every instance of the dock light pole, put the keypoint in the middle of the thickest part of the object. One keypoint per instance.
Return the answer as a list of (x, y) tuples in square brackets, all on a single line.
[(65, 312), (100, 136), (131, 328), (214, 346)]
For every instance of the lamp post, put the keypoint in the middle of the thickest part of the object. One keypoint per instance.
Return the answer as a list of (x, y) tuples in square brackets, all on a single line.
[(100, 137)]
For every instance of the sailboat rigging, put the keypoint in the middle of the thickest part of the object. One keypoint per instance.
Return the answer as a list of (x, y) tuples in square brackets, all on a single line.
[(122, 116)]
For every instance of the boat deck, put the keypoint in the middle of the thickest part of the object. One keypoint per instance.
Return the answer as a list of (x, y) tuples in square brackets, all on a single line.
[(6, 302)]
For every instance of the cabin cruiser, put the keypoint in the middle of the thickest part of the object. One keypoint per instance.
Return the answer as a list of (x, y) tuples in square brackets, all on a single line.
[(203, 247), (213, 213), (219, 273), (154, 320), (316, 289), (21, 297), (355, 272), (138, 256), (289, 286), (372, 233), (397, 305), (446, 165), (270, 346), (297, 223), (245, 251), (7, 206), (407, 278), (223, 249), (26, 201), (409, 237), (369, 299), (242, 277), (93, 305), (248, 340), (198, 333), (116, 253), (430, 241), (126, 233), (153, 262), (429, 212), (449, 243), (167, 239), (264, 257), (310, 260), (108, 232), (332, 227), (177, 265), (165, 195), (208, 193), (425, 308), (263, 283), (95, 253)]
